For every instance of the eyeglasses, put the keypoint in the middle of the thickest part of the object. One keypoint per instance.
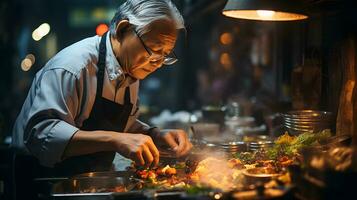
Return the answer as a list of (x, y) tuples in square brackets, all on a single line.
[(169, 59)]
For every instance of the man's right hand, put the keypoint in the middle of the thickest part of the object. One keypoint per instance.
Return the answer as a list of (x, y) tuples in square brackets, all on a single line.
[(137, 147)]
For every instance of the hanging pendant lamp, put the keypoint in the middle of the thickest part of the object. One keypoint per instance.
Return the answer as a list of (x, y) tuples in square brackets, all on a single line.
[(265, 10)]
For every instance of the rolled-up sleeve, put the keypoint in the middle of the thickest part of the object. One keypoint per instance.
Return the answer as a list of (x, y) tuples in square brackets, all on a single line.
[(139, 127), (50, 120)]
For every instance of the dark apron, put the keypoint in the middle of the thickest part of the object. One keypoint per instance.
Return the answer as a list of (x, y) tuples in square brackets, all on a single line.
[(105, 115)]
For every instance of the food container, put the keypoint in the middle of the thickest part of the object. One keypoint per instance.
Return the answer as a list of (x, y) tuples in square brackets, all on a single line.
[(96, 185), (229, 147), (259, 142), (300, 121), (226, 143), (259, 175)]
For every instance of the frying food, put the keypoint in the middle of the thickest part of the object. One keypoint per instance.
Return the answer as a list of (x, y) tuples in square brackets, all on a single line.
[(218, 173), (231, 172), (223, 172)]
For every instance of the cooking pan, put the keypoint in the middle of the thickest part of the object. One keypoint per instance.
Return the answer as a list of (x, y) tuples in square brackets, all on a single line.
[(97, 185)]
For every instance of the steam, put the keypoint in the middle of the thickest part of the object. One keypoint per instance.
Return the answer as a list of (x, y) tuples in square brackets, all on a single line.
[(217, 171)]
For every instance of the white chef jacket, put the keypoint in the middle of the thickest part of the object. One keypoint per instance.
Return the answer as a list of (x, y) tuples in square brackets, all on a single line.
[(62, 95)]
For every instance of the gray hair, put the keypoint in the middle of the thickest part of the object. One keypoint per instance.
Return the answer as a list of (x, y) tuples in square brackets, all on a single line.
[(141, 13)]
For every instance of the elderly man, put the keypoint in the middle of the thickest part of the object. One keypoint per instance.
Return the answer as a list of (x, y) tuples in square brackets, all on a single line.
[(82, 106)]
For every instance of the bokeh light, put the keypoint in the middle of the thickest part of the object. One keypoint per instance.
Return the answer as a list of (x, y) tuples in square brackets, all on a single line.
[(101, 29), (226, 38)]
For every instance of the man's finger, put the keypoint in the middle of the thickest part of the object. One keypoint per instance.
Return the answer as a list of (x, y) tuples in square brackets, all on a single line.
[(138, 158), (148, 157), (170, 140), (181, 140), (188, 147), (154, 152)]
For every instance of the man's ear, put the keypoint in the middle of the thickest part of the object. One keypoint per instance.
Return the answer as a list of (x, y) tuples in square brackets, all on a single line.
[(121, 28)]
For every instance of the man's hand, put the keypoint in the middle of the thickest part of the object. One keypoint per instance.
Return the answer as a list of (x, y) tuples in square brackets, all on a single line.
[(137, 147), (176, 139)]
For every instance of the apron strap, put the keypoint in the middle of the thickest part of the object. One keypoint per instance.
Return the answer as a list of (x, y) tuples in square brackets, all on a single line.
[(127, 96), (101, 65), (101, 70)]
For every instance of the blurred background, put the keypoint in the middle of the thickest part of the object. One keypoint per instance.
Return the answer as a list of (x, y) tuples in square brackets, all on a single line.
[(239, 67)]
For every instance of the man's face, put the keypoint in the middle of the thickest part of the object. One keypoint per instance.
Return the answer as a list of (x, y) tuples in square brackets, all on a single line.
[(144, 54)]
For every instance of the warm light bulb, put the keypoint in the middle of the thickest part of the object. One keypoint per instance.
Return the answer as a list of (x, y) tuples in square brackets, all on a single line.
[(36, 36), (41, 31), (266, 14), (26, 64)]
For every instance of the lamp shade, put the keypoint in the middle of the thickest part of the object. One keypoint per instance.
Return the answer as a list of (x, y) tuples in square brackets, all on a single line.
[(266, 10)]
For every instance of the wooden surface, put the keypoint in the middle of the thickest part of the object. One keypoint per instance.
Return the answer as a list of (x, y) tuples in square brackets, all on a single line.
[(345, 118)]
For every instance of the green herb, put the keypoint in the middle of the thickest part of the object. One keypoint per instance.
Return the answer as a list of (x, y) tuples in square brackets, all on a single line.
[(246, 157), (180, 165), (290, 146)]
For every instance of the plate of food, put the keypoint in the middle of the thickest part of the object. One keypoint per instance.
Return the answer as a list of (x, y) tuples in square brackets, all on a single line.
[(260, 174)]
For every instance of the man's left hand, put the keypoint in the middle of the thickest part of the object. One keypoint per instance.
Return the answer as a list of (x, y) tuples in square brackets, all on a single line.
[(176, 139)]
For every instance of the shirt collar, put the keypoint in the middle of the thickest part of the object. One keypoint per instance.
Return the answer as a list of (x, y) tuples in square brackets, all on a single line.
[(113, 67)]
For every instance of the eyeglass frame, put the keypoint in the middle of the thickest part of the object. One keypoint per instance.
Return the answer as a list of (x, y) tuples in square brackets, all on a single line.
[(166, 58)]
